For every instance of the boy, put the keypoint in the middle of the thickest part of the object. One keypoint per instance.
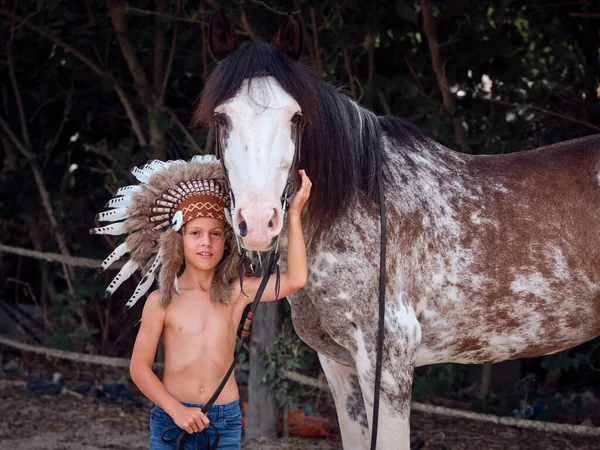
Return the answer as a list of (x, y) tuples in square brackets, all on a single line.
[(177, 216)]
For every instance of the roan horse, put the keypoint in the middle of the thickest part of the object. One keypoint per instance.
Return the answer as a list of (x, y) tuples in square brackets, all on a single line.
[(489, 257)]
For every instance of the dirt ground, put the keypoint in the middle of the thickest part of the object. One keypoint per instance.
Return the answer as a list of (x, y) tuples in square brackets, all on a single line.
[(71, 421), (66, 422)]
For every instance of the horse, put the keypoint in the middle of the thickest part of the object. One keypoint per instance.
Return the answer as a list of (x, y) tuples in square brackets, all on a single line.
[(490, 258)]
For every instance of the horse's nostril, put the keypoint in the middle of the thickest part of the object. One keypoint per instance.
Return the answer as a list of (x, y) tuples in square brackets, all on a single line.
[(270, 224), (243, 228)]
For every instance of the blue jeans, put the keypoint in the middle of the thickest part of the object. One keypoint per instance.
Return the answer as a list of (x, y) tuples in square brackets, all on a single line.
[(226, 418)]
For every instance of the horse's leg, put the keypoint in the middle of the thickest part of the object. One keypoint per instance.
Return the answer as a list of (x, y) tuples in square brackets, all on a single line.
[(402, 339), (352, 418)]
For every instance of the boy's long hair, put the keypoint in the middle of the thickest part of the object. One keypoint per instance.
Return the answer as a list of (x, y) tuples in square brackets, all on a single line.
[(227, 270)]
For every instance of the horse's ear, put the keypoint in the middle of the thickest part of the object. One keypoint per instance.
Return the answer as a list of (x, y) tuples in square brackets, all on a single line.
[(289, 37), (222, 39)]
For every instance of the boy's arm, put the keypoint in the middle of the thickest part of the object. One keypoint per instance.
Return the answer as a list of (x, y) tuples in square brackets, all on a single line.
[(294, 278), (140, 368)]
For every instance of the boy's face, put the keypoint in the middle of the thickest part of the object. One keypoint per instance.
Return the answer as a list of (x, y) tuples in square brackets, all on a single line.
[(203, 242)]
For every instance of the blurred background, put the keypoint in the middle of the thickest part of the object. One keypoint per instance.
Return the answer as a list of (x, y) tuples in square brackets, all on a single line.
[(90, 88)]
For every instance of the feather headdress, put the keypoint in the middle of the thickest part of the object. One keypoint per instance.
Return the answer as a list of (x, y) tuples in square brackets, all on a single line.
[(169, 195)]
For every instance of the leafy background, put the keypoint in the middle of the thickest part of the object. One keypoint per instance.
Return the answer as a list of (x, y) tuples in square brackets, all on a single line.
[(91, 88)]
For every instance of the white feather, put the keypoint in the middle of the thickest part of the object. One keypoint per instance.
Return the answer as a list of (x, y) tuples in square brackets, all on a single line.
[(113, 229), (156, 165), (140, 290), (112, 215), (126, 271), (205, 158), (128, 190), (176, 286), (120, 202), (177, 221), (146, 282), (149, 169), (115, 255), (141, 175)]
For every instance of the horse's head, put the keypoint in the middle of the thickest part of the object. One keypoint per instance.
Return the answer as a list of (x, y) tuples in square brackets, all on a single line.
[(261, 100), (257, 125)]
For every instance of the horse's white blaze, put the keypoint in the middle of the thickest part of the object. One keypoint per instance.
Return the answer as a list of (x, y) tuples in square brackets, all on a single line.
[(258, 153)]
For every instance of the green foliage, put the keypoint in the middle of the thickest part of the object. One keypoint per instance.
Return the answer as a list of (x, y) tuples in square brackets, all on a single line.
[(290, 353), (506, 56), (437, 379), (562, 361), (64, 335)]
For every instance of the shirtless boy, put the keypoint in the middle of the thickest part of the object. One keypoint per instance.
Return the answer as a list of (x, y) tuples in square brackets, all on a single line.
[(199, 333)]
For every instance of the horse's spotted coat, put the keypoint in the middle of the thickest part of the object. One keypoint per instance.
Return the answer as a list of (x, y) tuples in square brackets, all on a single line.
[(479, 269), (489, 258)]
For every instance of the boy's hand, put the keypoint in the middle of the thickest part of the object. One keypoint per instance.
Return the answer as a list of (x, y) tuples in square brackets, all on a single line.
[(192, 420), (301, 197)]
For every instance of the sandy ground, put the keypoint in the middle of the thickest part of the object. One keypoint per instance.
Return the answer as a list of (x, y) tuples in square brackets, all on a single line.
[(68, 422), (72, 421)]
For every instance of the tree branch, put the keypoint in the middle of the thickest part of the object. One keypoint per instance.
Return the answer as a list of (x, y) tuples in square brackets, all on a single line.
[(10, 155), (15, 85), (73, 261), (246, 24), (416, 78), (536, 108), (69, 48), (187, 134), (159, 48), (454, 35), (145, 12), (347, 65), (66, 110), (135, 67), (169, 66), (315, 32), (91, 65), (436, 61), (137, 129), (208, 147), (269, 8), (45, 197), (371, 58), (586, 15), (15, 140)]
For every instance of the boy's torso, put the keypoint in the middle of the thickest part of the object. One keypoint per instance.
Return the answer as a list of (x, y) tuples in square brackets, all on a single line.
[(199, 340)]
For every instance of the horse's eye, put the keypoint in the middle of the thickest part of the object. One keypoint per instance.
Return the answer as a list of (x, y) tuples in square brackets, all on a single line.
[(220, 119), (296, 118)]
